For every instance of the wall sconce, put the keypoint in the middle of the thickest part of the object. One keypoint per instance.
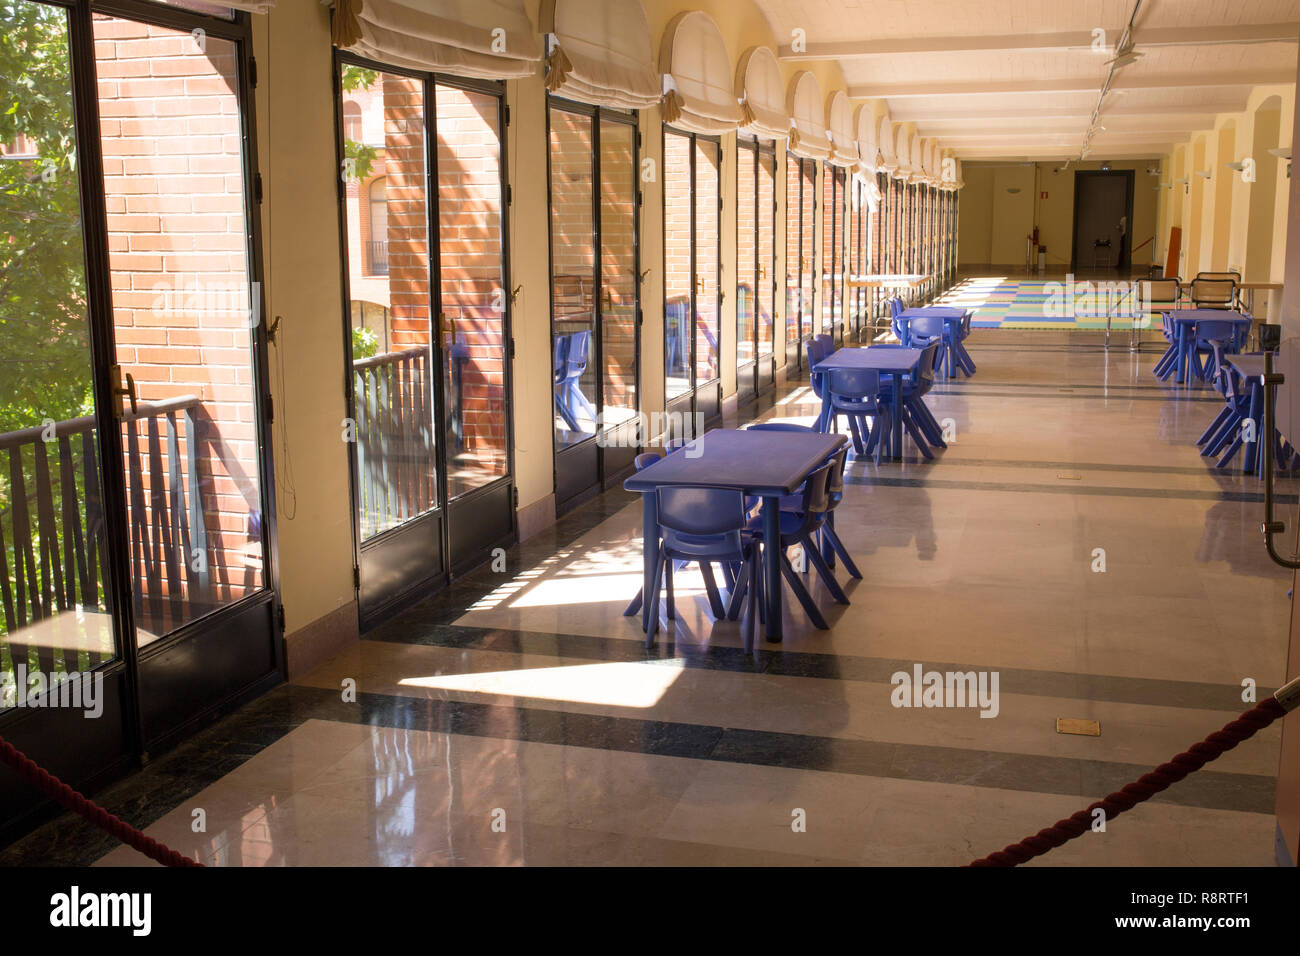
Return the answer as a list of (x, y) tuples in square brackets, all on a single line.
[(1203, 173)]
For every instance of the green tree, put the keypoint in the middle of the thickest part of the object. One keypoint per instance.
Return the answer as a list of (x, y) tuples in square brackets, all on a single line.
[(44, 353)]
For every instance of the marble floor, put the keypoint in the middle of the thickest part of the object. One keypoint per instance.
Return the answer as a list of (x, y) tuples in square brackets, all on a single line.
[(1070, 541)]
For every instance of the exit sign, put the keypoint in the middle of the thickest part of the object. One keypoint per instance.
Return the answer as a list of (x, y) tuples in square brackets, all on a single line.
[(1043, 194)]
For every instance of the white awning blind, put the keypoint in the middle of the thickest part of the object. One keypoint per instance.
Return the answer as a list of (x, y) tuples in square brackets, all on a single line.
[(488, 39), (251, 6), (761, 92), (808, 137), (599, 52), (918, 166), (864, 123), (888, 161), (839, 120), (903, 154), (698, 96)]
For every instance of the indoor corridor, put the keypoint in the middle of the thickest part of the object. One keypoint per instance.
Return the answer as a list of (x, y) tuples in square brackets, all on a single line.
[(1073, 543)]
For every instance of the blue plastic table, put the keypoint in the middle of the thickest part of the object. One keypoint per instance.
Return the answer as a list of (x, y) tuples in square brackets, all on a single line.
[(1184, 323), (891, 361), (767, 464)]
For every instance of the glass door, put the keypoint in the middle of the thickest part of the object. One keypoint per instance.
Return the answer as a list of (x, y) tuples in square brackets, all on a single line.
[(801, 208), (136, 572), (427, 328), (755, 264), (833, 182), (595, 307), (473, 320), (692, 279), (58, 632)]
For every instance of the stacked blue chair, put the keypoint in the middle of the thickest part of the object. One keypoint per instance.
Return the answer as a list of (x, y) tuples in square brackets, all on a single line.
[(831, 545), (797, 528), (1168, 362), (1225, 430), (816, 351), (708, 525), (856, 394), (917, 420), (1213, 338), (896, 310)]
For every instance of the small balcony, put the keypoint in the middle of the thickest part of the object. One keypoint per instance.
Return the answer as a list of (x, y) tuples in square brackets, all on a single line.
[(377, 257)]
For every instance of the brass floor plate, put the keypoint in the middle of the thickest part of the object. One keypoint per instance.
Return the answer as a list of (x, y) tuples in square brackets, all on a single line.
[(1070, 477), (1077, 725)]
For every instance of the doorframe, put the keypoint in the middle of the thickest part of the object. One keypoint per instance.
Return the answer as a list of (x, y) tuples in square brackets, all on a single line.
[(596, 114), (692, 395), (125, 670), (1125, 265), (449, 568)]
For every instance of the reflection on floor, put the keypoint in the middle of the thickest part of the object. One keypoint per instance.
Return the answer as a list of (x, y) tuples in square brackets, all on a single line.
[(1070, 539)]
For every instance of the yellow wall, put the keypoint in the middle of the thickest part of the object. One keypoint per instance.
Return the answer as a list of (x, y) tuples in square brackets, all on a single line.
[(995, 221), (300, 229), (1227, 222)]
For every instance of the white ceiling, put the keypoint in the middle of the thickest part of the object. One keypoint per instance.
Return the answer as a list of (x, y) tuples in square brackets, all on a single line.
[(1019, 79)]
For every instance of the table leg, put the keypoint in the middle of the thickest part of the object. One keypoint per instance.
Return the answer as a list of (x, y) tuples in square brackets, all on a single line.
[(896, 429), (1250, 449), (649, 559), (772, 583), (1182, 353)]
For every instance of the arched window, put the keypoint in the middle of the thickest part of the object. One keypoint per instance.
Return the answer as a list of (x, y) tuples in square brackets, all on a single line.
[(377, 247), (352, 129)]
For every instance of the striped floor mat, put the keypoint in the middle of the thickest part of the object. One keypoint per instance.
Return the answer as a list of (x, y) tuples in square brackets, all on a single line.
[(1001, 303)]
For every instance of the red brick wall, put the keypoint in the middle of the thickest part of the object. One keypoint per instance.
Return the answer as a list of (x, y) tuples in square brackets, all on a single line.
[(176, 223), (470, 204)]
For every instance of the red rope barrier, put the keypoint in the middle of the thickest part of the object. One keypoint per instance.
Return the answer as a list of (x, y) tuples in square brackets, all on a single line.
[(70, 799), (1148, 785)]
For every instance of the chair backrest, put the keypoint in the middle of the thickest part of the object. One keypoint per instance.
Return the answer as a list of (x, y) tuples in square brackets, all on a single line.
[(928, 326), (816, 500), (577, 357), (895, 306), (1234, 275), (1216, 330), (779, 427), (701, 521), (827, 343), (931, 362), (835, 480), (1159, 291), (1213, 293), (815, 351), (854, 383), (645, 460)]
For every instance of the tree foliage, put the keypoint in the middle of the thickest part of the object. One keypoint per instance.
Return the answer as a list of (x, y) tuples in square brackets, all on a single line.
[(44, 352)]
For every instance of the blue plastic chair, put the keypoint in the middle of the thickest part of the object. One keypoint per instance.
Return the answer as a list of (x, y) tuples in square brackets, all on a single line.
[(797, 527), (559, 375), (1212, 338), (831, 545), (816, 351), (913, 412), (575, 365), (855, 393), (708, 525)]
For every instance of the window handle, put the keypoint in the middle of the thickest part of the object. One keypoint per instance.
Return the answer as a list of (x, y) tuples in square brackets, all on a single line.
[(127, 392)]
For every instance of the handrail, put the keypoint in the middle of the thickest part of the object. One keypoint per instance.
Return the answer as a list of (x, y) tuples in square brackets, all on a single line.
[(75, 426), (388, 358), (1271, 526)]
